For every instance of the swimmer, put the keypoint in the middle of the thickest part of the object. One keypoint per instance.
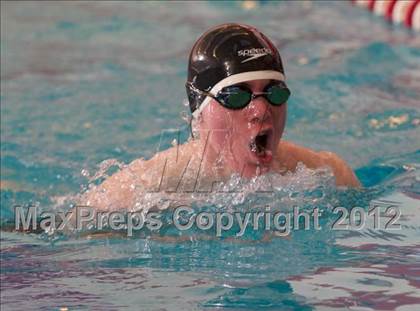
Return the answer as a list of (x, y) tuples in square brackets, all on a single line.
[(238, 96)]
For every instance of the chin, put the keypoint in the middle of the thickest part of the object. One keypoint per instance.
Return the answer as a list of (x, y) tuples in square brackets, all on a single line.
[(252, 169)]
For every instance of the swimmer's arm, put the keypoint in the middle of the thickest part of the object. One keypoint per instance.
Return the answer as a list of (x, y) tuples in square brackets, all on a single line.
[(343, 173), (291, 154), (117, 191)]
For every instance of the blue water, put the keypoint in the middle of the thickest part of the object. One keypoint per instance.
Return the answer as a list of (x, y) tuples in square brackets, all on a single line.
[(83, 82)]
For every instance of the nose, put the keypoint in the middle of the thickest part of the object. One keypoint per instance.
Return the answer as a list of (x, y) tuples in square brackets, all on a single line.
[(259, 110)]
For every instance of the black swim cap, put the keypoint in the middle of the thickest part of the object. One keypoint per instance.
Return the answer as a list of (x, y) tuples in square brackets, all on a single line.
[(229, 54)]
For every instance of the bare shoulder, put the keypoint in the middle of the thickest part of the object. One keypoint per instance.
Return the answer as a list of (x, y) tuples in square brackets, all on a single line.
[(343, 172), (290, 154), (119, 190), (116, 191)]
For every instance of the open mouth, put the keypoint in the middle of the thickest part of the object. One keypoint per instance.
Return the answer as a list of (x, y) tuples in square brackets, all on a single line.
[(260, 145)]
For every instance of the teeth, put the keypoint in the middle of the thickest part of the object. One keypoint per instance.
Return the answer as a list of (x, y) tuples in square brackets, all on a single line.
[(259, 150), (253, 146), (259, 144)]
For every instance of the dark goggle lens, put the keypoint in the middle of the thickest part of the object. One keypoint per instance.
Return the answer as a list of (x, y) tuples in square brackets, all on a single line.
[(234, 97), (278, 95)]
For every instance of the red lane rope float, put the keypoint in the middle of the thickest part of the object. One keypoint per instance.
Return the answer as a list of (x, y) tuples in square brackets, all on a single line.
[(389, 10), (406, 12), (371, 5), (413, 17)]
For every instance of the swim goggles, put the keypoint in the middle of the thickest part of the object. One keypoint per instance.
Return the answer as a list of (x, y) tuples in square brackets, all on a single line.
[(239, 96)]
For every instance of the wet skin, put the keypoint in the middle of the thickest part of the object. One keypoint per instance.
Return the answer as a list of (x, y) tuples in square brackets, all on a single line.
[(246, 141)]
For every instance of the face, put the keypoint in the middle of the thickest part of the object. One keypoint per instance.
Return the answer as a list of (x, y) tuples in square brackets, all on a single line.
[(246, 139)]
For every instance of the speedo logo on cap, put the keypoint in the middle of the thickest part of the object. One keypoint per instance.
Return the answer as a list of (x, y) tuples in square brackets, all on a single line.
[(254, 53)]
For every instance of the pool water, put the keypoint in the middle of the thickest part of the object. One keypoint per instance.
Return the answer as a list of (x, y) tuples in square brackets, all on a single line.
[(84, 82)]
